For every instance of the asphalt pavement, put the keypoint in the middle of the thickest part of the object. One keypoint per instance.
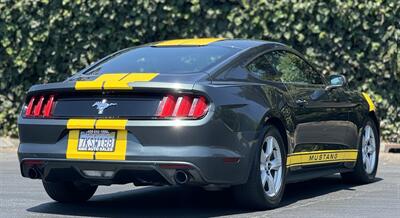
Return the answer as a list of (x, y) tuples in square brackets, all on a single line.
[(324, 197)]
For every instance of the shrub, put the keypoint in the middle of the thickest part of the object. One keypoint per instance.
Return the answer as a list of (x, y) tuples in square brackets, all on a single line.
[(46, 41)]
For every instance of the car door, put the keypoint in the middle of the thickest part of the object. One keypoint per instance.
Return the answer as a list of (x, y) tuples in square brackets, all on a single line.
[(321, 121)]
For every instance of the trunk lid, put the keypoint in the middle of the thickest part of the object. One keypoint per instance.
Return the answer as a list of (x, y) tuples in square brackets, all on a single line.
[(127, 99)]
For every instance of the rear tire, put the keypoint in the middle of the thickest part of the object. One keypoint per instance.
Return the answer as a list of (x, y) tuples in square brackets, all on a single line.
[(363, 174), (69, 192), (254, 194)]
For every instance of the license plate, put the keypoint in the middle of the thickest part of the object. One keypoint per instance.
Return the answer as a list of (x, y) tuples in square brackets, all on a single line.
[(97, 140)]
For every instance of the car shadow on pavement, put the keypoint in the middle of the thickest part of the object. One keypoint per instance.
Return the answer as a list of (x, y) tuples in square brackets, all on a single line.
[(180, 201)]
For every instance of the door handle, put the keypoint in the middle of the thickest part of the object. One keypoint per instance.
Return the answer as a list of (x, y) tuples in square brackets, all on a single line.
[(301, 102)]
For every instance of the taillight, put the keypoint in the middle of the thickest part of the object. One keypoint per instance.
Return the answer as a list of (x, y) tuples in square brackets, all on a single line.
[(28, 110), (40, 108), (166, 106), (182, 106), (199, 107), (48, 106)]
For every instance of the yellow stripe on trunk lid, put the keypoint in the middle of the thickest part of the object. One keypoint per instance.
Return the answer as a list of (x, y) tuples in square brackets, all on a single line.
[(114, 81)]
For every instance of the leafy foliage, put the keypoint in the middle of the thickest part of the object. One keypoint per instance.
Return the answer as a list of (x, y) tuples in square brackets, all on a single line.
[(44, 41)]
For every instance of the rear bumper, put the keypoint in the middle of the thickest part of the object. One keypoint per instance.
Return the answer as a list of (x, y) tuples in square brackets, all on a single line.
[(202, 170), (114, 172), (214, 153)]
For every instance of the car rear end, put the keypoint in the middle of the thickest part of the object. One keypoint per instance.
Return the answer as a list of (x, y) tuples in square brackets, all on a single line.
[(115, 128)]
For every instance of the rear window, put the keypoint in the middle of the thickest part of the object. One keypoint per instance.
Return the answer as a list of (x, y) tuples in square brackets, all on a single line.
[(165, 60)]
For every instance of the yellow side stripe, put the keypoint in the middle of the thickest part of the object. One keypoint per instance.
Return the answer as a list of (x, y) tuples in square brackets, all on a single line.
[(321, 157), (189, 42), (370, 102), (324, 162), (114, 81), (322, 151)]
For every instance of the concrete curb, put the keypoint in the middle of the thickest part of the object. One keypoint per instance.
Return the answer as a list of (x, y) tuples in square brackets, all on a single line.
[(391, 147), (7, 142)]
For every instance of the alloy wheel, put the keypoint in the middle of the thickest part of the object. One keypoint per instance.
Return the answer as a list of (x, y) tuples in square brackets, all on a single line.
[(271, 166), (368, 149)]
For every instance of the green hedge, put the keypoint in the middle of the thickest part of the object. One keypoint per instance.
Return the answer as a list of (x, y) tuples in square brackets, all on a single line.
[(46, 41)]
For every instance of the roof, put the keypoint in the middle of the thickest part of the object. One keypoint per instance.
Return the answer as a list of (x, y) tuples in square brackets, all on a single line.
[(224, 42)]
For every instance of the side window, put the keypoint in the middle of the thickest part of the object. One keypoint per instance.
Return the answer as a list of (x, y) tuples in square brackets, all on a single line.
[(296, 70), (312, 76), (263, 67)]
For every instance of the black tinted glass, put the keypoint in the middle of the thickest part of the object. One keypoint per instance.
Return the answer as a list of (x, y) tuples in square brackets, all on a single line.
[(296, 70), (168, 60), (263, 67)]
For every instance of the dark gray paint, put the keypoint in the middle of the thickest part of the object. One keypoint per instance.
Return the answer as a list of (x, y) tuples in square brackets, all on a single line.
[(240, 107)]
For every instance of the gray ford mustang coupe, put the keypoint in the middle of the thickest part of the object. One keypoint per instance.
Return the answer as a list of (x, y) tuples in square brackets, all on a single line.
[(246, 115)]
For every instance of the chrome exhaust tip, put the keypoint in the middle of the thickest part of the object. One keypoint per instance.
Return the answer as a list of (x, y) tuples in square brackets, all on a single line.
[(181, 177), (33, 173)]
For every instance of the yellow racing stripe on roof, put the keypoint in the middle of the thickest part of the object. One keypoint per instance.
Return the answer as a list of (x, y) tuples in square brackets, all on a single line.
[(188, 42), (370, 102), (114, 81)]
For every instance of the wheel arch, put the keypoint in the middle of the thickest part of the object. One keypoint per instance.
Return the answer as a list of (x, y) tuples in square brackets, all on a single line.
[(277, 123), (281, 128), (374, 118)]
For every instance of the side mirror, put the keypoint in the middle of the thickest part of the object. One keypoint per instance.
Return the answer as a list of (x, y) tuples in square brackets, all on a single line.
[(336, 81)]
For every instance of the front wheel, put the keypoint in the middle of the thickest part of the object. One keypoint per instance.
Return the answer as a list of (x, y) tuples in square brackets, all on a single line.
[(265, 186), (367, 160), (69, 192)]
